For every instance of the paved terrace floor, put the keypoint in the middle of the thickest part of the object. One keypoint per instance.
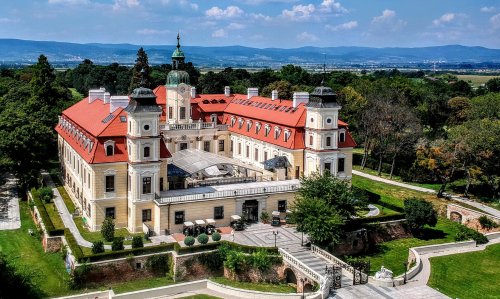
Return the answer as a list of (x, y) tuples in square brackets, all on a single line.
[(9, 205), (480, 206)]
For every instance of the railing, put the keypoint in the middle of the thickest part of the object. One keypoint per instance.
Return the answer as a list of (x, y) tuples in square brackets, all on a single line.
[(193, 126), (301, 266), (291, 187), (221, 181), (335, 260)]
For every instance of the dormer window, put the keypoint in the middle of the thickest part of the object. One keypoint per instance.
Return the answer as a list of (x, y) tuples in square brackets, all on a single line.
[(287, 134), (109, 147), (233, 120), (277, 132), (267, 129), (240, 123), (342, 137), (249, 125), (213, 118), (257, 127)]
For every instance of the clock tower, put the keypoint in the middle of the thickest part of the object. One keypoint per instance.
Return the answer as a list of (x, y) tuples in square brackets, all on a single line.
[(178, 94)]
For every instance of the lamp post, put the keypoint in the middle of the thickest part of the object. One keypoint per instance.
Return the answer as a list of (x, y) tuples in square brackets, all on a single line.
[(275, 233), (302, 240), (406, 268)]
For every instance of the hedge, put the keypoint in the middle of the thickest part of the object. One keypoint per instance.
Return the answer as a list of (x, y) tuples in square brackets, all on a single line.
[(359, 221), (49, 226), (127, 252), (213, 246)]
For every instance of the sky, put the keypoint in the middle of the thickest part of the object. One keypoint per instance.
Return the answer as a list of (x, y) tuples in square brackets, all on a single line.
[(256, 23)]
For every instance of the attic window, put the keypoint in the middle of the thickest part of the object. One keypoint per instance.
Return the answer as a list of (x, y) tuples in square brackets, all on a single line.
[(222, 101), (233, 120), (257, 127), (240, 123), (109, 147), (108, 118), (277, 132), (205, 102), (267, 129), (287, 134), (123, 119), (249, 125), (214, 101)]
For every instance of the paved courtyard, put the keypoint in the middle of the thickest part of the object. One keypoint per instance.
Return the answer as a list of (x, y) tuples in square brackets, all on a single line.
[(9, 205), (260, 234)]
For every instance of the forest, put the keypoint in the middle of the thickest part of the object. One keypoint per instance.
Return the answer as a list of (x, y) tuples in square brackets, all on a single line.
[(422, 126)]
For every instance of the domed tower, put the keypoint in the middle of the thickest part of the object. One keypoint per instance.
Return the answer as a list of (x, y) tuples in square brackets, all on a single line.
[(322, 132), (143, 147), (178, 89)]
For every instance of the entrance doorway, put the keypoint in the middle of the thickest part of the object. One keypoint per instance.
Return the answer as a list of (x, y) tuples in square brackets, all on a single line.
[(251, 210)]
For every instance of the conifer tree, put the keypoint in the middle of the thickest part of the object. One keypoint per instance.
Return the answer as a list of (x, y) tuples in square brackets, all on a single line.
[(141, 63)]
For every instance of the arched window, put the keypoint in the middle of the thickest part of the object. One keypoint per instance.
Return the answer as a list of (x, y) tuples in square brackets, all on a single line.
[(286, 135), (257, 127), (267, 129), (277, 132), (240, 123), (249, 125), (233, 120), (147, 152)]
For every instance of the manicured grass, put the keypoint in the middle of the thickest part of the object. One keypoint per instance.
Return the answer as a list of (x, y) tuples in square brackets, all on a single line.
[(468, 275), (261, 287), (54, 215), (200, 296), (385, 211), (392, 254), (67, 200), (26, 253), (96, 236)]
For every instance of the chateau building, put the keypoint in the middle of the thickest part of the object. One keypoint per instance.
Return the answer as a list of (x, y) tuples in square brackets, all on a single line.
[(155, 160)]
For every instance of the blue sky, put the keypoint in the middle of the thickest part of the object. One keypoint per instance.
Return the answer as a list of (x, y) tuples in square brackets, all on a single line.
[(256, 23)]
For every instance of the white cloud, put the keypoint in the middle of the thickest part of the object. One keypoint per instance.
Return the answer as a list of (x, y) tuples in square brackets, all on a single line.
[(235, 26), (257, 2), (495, 21), (219, 33), (147, 31), (345, 26), (307, 37), (330, 6), (446, 18), (219, 13), (299, 12), (488, 9), (387, 15), (119, 4), (260, 16)]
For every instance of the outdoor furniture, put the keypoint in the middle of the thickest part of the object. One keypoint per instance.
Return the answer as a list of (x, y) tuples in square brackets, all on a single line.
[(188, 229), (275, 220), (210, 226), (199, 227)]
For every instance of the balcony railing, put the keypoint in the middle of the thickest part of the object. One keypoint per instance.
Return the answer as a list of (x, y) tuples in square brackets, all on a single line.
[(194, 126), (291, 187)]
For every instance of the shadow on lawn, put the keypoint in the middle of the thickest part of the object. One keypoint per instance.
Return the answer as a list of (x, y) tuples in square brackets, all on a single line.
[(429, 233)]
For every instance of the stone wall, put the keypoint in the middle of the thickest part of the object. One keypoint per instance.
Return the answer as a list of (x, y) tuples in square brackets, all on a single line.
[(187, 267), (275, 274), (52, 244), (465, 215)]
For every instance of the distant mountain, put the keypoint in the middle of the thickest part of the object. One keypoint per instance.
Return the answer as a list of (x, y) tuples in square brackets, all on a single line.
[(15, 51)]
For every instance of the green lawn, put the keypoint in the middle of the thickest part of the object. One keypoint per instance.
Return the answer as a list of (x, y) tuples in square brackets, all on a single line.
[(392, 254), (54, 215), (67, 200), (96, 236), (468, 275), (26, 253), (261, 287), (385, 211)]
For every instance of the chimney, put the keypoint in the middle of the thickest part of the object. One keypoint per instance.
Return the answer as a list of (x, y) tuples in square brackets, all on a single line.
[(227, 91), (300, 97), (193, 92), (107, 95), (95, 94), (274, 95), (117, 102), (252, 92)]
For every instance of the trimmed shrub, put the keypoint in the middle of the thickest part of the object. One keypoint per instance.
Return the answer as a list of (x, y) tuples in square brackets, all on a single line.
[(216, 237), (137, 242), (46, 194), (98, 247), (419, 213), (117, 244), (236, 261), (264, 217), (127, 252), (261, 260), (464, 233), (487, 223), (202, 239), (189, 241), (108, 229)]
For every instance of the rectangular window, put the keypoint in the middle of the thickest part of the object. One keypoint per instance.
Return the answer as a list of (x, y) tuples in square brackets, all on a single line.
[(239, 148), (206, 146), (281, 205), (182, 113), (232, 144), (183, 146), (146, 185), (248, 151), (129, 183), (256, 154), (161, 184), (341, 166), (328, 167), (310, 140), (146, 152), (221, 145), (265, 156), (110, 183), (170, 112), (110, 212), (219, 212), (179, 217), (146, 215), (342, 137), (328, 141)]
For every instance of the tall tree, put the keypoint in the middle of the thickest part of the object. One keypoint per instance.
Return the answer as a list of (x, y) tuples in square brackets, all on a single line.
[(141, 63)]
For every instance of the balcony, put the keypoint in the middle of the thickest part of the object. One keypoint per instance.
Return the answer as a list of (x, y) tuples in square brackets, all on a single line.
[(193, 126), (224, 191)]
